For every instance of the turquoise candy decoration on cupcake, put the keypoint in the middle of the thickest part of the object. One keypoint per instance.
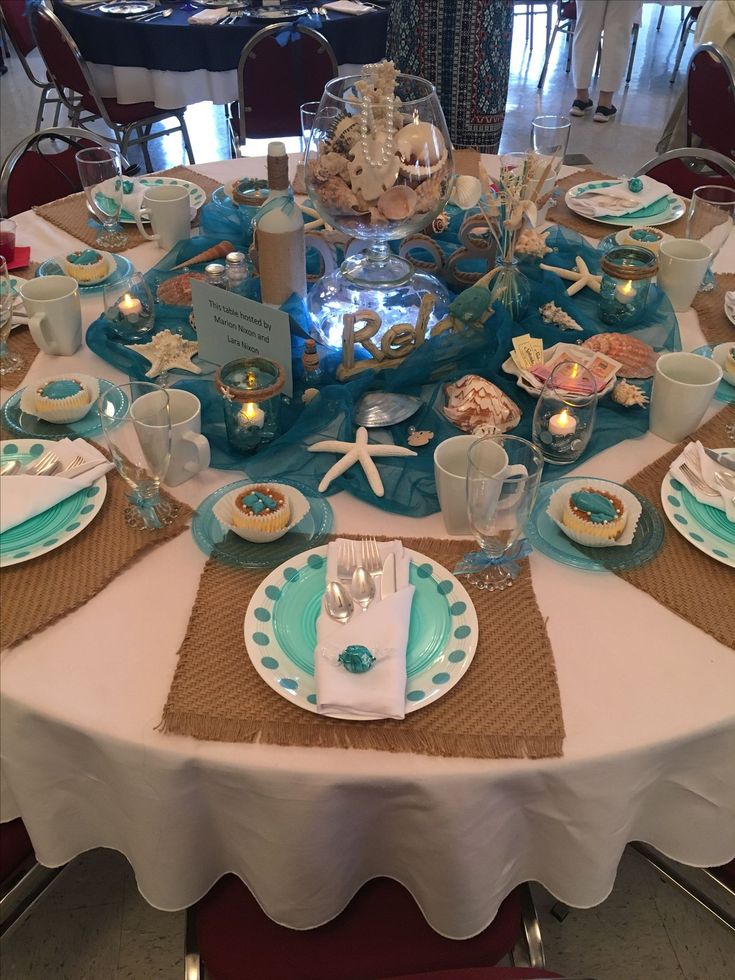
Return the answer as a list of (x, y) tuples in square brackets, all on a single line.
[(62, 399), (258, 502), (599, 509), (356, 658), (60, 388), (85, 257), (87, 266)]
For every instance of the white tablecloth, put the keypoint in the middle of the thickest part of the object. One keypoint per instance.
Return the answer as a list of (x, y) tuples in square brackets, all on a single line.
[(649, 709)]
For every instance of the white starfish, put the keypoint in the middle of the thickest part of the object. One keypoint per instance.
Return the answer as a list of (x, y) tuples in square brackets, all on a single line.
[(358, 451), (168, 350), (581, 276)]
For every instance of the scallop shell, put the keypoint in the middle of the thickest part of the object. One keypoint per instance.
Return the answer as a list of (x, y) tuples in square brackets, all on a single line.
[(177, 291), (478, 406), (467, 192), (398, 203), (638, 360)]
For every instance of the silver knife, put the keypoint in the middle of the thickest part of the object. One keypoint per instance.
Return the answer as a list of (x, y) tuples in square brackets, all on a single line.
[(721, 459), (388, 578)]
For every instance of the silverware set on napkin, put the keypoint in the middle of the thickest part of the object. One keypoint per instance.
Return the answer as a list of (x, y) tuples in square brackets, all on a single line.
[(724, 477), (48, 464), (361, 575)]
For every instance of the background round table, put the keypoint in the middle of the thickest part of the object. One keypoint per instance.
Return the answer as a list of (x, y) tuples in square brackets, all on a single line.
[(174, 63)]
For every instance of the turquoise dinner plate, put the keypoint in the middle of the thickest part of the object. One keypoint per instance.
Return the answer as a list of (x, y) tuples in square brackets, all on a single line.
[(227, 547), (548, 538), (55, 526), (123, 268), (705, 527), (725, 391), (661, 212), (24, 424), (280, 629)]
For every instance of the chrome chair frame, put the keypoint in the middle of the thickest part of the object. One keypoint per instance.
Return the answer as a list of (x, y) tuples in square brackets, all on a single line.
[(25, 890), (691, 153), (530, 12), (688, 27)]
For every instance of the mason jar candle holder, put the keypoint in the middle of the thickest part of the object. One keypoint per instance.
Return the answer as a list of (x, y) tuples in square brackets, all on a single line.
[(565, 413), (251, 396), (129, 308), (627, 272)]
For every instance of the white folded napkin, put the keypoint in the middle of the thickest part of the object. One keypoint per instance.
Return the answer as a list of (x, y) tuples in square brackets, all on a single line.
[(348, 7), (22, 496), (730, 301), (618, 199), (383, 628), (707, 467), (211, 16)]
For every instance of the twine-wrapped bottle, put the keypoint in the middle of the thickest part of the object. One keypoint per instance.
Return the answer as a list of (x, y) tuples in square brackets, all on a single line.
[(279, 235)]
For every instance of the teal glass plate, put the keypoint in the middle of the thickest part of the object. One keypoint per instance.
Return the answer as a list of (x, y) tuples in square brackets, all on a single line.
[(280, 630), (550, 540), (725, 391), (661, 212), (55, 526), (694, 522), (227, 547), (123, 268), (24, 424)]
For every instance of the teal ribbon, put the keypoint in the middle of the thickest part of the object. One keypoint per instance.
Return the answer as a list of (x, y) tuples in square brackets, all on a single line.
[(284, 202), (478, 561)]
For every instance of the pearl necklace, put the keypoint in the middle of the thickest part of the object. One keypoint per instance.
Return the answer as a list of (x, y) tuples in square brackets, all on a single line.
[(367, 123)]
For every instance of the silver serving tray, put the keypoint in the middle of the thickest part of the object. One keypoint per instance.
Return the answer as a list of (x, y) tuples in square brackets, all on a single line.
[(380, 408)]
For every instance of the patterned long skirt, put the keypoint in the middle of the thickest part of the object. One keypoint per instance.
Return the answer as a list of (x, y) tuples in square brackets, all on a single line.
[(463, 47)]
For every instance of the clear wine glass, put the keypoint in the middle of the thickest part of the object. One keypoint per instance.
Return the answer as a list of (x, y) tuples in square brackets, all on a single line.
[(9, 360), (710, 220), (136, 421), (502, 482), (550, 138), (100, 171)]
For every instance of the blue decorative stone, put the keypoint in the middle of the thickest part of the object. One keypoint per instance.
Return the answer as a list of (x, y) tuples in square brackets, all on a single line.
[(356, 658), (635, 184)]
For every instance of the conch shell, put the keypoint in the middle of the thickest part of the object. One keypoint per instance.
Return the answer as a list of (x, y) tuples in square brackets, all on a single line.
[(398, 203), (467, 192), (638, 360), (624, 393), (476, 405)]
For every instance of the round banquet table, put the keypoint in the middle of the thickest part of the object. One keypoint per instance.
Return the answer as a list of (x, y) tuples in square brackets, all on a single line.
[(173, 63), (648, 702)]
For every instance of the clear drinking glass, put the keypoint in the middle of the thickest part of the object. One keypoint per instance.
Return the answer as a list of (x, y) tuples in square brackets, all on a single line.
[(100, 171), (136, 421), (9, 360), (308, 114), (502, 482), (550, 138), (710, 219)]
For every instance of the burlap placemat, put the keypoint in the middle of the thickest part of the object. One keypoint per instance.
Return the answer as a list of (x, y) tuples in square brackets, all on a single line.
[(680, 577), (72, 216), (20, 340), (507, 705), (710, 309), (561, 215), (37, 593)]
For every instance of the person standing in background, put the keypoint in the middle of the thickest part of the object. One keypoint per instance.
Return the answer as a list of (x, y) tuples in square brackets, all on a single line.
[(614, 18), (463, 48)]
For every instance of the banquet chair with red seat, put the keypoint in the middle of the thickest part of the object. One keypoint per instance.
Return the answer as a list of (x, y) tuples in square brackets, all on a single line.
[(686, 168), (22, 879), (36, 171), (380, 934), (281, 67), (69, 71), (688, 27)]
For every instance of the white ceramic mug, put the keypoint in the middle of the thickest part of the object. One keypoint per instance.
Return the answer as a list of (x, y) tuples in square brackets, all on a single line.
[(55, 313), (451, 461), (682, 264), (190, 451), (683, 387), (167, 208)]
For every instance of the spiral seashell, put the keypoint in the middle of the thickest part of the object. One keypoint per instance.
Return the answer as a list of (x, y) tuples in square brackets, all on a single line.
[(638, 360), (466, 193), (398, 203), (629, 395), (336, 195)]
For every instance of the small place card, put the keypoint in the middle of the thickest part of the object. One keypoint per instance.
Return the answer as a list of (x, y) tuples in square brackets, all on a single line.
[(230, 326)]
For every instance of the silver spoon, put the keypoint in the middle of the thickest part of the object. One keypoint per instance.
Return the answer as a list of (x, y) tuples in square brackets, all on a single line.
[(45, 465), (362, 587), (337, 602), (12, 466), (725, 484)]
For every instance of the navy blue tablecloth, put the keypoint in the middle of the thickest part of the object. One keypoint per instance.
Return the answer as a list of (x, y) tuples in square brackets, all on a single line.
[(175, 45)]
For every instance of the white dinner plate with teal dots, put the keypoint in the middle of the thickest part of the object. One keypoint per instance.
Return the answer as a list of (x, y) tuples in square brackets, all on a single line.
[(133, 192), (662, 212), (280, 630), (55, 526), (705, 527)]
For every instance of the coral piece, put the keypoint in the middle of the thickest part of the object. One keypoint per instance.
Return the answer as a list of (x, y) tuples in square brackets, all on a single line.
[(624, 393), (218, 251), (637, 359), (430, 192), (168, 350), (476, 405), (360, 451), (333, 165), (552, 313), (532, 242), (579, 277), (177, 291), (466, 192), (398, 203)]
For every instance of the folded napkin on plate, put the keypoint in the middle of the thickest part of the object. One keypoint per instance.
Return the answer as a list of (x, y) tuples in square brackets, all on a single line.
[(348, 7), (618, 199), (707, 467), (383, 628), (730, 301), (212, 16), (22, 496)]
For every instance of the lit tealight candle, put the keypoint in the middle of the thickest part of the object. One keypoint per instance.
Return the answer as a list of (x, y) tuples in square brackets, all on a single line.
[(562, 424), (130, 305), (625, 292), (252, 415)]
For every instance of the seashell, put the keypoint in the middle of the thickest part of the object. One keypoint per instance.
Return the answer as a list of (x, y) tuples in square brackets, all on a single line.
[(420, 146), (551, 313), (476, 405), (344, 135), (531, 242), (624, 393), (177, 291), (333, 165), (309, 395), (440, 223), (430, 192), (336, 195), (398, 203), (638, 360), (467, 192)]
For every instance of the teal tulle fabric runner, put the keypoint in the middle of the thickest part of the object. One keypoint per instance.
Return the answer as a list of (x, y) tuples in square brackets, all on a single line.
[(409, 482)]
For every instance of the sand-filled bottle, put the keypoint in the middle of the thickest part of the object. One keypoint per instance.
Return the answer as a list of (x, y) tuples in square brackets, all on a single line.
[(279, 235)]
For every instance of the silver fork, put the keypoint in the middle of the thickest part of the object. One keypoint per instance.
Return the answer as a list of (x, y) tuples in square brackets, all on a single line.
[(346, 561), (697, 482), (43, 461), (371, 561), (77, 461)]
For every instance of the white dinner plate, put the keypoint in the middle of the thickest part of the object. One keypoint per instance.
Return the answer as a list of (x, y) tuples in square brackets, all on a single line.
[(670, 210), (705, 527), (127, 9)]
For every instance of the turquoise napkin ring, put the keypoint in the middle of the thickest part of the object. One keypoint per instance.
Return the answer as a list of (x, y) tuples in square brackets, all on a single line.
[(356, 659), (635, 184)]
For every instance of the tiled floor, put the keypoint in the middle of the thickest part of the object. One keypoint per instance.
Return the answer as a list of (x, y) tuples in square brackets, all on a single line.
[(95, 926)]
